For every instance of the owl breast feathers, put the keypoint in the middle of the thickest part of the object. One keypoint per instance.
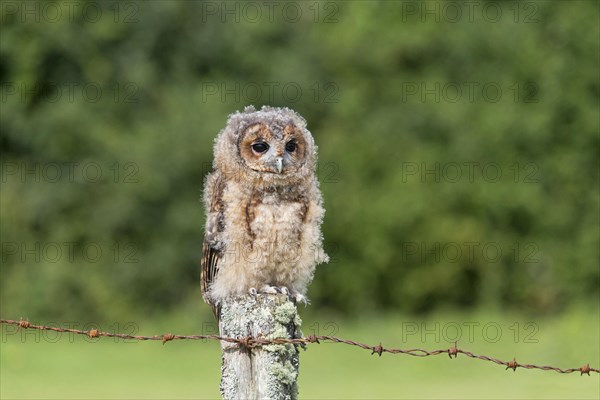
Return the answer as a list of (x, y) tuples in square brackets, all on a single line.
[(263, 207)]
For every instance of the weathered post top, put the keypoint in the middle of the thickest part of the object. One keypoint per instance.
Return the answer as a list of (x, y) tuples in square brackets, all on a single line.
[(262, 372)]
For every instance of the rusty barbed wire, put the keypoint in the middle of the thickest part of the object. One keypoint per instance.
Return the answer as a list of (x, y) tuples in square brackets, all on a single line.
[(250, 342)]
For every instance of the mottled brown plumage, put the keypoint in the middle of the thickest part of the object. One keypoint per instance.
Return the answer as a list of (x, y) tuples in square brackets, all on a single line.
[(263, 207)]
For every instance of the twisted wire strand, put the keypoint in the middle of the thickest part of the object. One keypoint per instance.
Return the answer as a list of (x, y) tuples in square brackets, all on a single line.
[(250, 342)]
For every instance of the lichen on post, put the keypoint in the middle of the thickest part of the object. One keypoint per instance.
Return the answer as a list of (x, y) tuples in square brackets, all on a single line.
[(262, 372)]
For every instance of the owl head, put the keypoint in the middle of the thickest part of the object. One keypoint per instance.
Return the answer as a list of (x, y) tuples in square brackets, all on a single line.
[(271, 146)]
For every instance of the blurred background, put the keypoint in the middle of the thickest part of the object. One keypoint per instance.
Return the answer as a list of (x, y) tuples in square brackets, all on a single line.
[(458, 160)]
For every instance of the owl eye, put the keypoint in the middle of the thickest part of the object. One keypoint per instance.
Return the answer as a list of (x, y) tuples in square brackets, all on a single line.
[(290, 147), (260, 147)]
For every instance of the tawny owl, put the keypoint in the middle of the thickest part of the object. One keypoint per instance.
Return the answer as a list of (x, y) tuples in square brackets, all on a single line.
[(263, 207)]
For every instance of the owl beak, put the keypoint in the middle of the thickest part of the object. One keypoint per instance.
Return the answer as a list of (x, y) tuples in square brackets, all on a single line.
[(279, 164)]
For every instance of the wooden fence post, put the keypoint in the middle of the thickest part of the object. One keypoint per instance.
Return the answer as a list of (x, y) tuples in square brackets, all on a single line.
[(265, 372)]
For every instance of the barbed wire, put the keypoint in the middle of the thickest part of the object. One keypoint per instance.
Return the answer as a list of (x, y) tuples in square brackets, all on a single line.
[(250, 342)]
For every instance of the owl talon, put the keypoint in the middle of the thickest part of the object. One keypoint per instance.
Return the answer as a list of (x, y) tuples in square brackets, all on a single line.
[(267, 289), (252, 291), (284, 290), (298, 297)]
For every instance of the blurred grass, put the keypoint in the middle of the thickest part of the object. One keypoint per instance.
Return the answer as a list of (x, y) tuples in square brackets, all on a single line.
[(70, 369)]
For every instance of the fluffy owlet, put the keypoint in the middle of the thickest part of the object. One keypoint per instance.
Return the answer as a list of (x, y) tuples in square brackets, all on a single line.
[(263, 207)]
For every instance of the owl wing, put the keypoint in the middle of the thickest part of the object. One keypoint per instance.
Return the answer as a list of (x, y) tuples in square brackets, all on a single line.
[(212, 247), (210, 262)]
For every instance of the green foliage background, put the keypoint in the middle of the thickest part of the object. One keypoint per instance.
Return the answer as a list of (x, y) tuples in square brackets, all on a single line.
[(158, 65)]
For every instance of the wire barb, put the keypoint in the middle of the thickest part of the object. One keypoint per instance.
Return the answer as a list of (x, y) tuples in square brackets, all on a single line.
[(248, 342), (585, 369), (453, 351), (313, 339), (378, 349), (512, 365), (167, 337)]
